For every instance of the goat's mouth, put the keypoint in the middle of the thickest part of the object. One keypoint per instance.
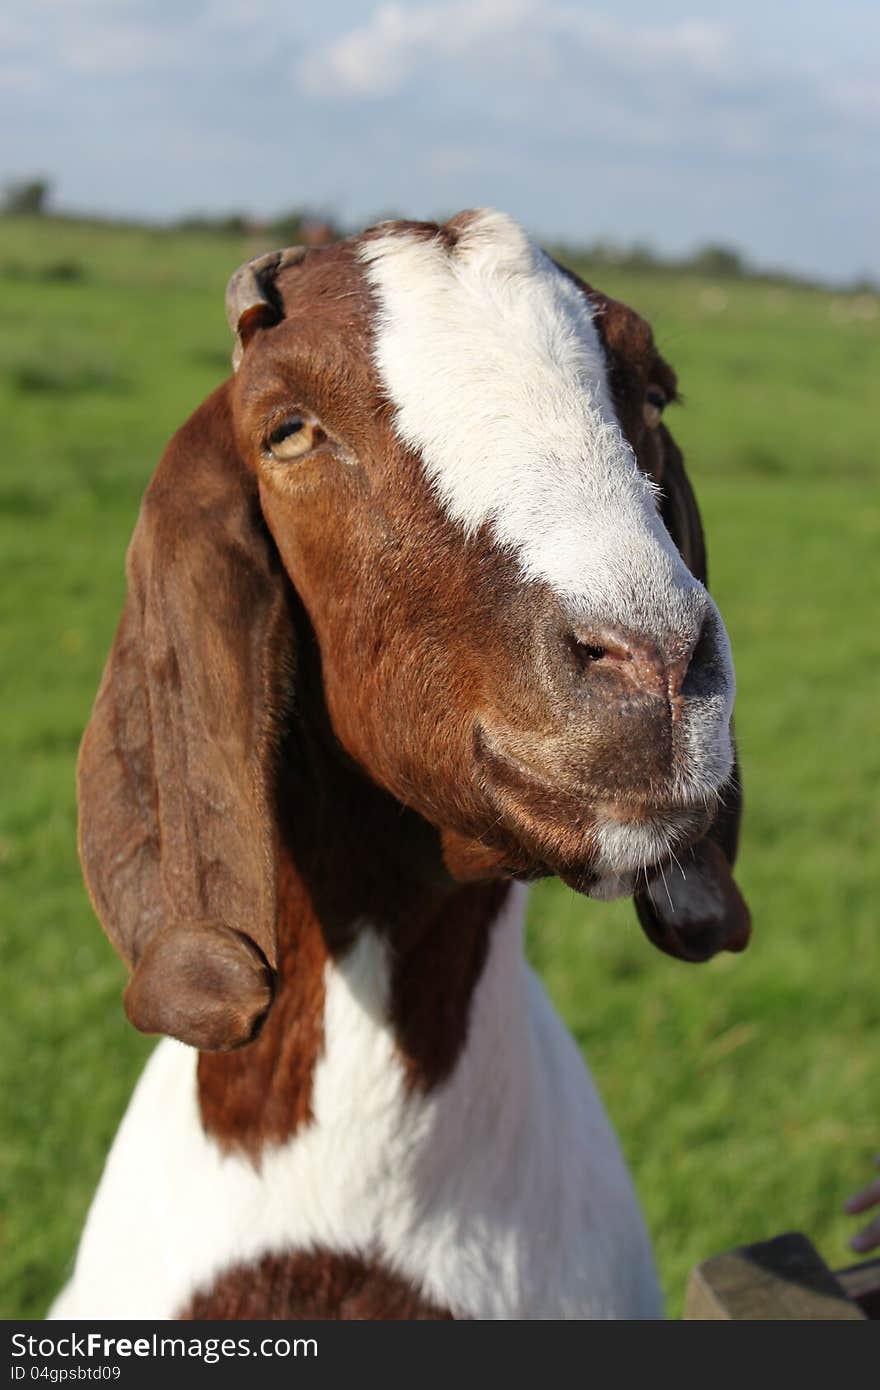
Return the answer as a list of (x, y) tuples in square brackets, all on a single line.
[(654, 850), (686, 900), (603, 847)]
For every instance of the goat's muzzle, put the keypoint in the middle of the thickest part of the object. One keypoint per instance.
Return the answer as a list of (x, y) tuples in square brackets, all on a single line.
[(614, 784), (602, 830)]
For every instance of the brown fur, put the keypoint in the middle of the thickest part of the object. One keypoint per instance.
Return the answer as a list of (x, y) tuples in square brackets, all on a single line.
[(176, 828), (312, 1285), (263, 1094), (433, 981)]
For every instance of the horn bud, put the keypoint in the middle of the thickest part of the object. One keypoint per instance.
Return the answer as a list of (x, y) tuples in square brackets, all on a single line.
[(252, 300)]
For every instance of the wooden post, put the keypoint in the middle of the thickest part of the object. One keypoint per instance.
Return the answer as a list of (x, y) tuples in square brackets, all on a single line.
[(861, 1283), (776, 1279)]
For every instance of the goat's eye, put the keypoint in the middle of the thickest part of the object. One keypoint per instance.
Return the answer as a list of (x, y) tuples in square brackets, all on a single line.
[(655, 400), (296, 436)]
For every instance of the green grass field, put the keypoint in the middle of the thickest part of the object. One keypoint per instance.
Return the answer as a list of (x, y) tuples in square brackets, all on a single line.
[(747, 1091)]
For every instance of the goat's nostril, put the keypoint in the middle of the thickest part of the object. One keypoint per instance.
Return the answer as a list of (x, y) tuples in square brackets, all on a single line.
[(621, 654), (585, 652)]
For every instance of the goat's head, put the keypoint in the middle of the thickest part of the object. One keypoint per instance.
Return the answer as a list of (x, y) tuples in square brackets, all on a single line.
[(456, 447)]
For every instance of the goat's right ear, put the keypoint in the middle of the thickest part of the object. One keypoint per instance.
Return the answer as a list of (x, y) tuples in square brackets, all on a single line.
[(176, 769)]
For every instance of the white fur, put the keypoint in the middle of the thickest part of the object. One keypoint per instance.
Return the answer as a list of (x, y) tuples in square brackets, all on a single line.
[(624, 848), (491, 358), (496, 369), (502, 1194)]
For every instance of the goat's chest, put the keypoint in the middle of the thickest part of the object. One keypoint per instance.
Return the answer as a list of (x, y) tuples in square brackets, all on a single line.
[(500, 1194)]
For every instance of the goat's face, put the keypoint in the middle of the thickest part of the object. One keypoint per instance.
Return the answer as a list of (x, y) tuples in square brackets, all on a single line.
[(454, 444)]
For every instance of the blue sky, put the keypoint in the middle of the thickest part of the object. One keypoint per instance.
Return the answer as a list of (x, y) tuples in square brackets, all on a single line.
[(757, 124)]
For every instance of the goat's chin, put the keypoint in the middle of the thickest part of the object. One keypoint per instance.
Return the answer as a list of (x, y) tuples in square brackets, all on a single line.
[(605, 847), (603, 851)]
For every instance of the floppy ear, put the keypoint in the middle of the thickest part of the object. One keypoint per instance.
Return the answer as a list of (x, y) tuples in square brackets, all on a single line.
[(699, 910), (176, 771), (678, 506)]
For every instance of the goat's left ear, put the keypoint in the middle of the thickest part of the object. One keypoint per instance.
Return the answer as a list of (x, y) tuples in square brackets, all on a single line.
[(700, 910)]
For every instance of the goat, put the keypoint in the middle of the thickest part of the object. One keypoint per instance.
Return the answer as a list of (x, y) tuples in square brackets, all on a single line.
[(409, 622)]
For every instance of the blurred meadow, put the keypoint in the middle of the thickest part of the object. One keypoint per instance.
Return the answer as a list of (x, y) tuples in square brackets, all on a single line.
[(747, 1091)]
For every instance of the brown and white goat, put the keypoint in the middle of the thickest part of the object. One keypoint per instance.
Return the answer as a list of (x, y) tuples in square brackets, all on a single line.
[(407, 620)]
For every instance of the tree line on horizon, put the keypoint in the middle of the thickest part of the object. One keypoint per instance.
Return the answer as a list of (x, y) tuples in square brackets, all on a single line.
[(31, 197)]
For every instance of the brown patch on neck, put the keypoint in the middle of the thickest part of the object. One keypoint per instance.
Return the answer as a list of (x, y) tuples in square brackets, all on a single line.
[(350, 854), (311, 1284), (433, 982), (263, 1093)]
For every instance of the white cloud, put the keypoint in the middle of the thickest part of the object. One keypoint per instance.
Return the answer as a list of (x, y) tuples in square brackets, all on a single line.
[(545, 70), (377, 58)]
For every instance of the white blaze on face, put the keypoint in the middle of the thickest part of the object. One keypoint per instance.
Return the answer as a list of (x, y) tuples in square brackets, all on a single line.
[(497, 373), (491, 357)]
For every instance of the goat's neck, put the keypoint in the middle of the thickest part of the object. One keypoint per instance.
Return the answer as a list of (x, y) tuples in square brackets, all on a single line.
[(352, 860)]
